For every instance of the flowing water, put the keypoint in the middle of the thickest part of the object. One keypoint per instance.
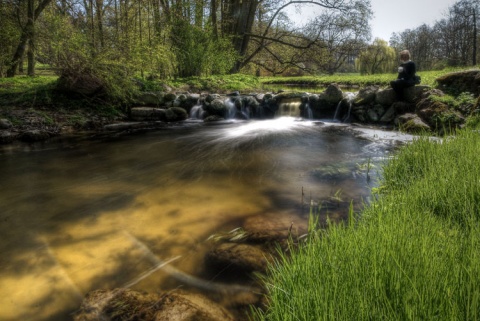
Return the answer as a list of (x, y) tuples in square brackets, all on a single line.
[(83, 214)]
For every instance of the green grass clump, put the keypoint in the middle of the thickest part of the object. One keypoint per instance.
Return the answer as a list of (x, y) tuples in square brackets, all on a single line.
[(414, 254), (218, 83), (27, 91)]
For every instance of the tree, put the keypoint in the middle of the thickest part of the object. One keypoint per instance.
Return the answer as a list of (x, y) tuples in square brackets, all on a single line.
[(376, 58), (240, 27), (27, 37)]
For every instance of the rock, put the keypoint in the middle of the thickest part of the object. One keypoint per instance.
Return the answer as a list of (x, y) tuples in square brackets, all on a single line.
[(174, 114), (333, 94), (5, 124), (234, 94), (461, 81), (241, 258), (272, 228), (411, 123), (149, 99), (34, 135), (125, 126), (80, 84), (402, 107), (389, 115), (126, 304), (7, 137), (170, 97), (216, 108), (337, 171), (178, 306), (365, 96), (146, 113), (122, 304), (375, 113), (385, 97)]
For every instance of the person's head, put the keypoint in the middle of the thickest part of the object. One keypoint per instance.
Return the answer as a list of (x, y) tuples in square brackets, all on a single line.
[(404, 55)]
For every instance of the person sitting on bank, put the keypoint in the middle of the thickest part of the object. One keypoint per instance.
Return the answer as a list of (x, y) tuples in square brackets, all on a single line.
[(406, 74)]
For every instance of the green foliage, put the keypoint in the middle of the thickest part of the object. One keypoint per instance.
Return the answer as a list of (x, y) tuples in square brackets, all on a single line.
[(217, 83), (376, 58), (414, 254), (198, 52), (27, 91)]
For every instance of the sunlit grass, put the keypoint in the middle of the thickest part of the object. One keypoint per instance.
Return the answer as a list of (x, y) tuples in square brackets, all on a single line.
[(355, 79), (414, 254)]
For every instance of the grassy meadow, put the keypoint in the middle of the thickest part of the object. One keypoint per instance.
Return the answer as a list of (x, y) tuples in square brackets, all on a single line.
[(413, 254)]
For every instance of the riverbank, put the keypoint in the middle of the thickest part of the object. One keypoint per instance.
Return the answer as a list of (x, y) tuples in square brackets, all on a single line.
[(412, 254)]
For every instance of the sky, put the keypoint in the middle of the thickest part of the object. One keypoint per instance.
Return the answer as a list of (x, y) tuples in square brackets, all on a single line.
[(397, 15), (391, 15)]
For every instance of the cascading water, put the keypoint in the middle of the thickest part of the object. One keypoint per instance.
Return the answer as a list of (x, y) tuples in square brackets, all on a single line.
[(289, 107), (346, 102)]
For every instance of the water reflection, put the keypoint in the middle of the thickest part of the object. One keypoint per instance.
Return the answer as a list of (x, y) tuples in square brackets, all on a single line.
[(70, 210)]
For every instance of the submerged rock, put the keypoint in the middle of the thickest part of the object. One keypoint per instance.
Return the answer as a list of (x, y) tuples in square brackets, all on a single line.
[(126, 304), (237, 257)]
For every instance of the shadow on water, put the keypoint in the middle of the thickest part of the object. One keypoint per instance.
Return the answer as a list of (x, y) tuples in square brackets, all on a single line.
[(67, 208)]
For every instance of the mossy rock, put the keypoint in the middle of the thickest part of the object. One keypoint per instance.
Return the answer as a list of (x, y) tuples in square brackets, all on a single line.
[(174, 114), (340, 170), (216, 107), (461, 81)]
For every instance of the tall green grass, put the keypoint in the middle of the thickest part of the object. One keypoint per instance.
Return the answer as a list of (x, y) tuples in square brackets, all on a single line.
[(413, 254)]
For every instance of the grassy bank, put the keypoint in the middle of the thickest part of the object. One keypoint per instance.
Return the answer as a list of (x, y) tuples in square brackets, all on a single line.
[(428, 78), (414, 254)]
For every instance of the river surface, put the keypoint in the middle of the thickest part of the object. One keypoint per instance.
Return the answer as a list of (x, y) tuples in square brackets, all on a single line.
[(83, 214)]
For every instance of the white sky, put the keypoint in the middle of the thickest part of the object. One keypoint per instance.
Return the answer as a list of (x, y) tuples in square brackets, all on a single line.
[(397, 15), (389, 15)]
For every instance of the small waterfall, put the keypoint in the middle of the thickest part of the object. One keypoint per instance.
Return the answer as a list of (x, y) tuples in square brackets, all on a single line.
[(196, 112), (337, 111), (289, 107), (346, 101), (309, 111), (231, 108)]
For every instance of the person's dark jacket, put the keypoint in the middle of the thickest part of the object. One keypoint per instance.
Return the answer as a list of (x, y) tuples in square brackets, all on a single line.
[(407, 72)]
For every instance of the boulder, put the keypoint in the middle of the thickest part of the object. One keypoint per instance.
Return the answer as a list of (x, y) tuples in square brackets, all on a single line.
[(389, 115), (461, 81), (365, 96), (411, 123), (333, 94), (80, 84), (146, 113), (174, 114), (180, 306), (34, 135), (149, 99), (126, 304), (5, 124), (385, 97), (237, 257), (270, 228), (7, 137), (215, 108)]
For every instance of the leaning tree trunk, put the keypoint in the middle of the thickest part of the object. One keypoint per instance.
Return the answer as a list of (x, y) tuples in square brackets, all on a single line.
[(27, 36), (241, 15)]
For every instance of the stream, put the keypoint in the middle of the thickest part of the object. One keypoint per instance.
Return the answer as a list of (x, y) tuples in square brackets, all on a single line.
[(76, 214)]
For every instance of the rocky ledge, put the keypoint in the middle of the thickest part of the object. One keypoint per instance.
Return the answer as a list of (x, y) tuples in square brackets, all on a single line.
[(419, 111)]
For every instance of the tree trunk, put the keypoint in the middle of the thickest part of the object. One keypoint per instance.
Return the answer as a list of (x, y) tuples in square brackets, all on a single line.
[(213, 17), (474, 54), (241, 15)]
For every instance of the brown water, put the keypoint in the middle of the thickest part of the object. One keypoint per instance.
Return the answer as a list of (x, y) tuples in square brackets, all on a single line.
[(79, 215)]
